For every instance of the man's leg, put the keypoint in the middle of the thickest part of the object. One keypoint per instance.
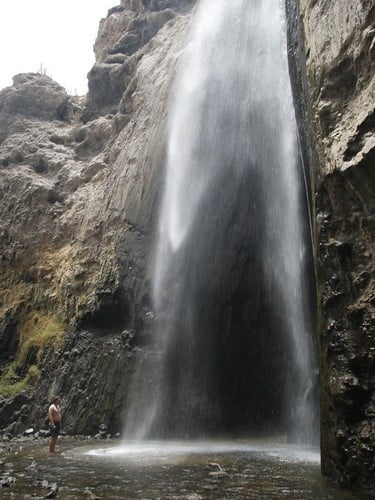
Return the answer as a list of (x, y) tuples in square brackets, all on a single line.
[(52, 444)]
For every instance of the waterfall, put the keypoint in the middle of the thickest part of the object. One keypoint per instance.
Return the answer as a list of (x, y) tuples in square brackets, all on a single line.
[(233, 346)]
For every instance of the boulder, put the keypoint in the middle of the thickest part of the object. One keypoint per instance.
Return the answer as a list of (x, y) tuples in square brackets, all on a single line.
[(29, 431), (34, 95)]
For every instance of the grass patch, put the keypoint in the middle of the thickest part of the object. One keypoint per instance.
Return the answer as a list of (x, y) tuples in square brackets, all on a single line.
[(36, 332), (11, 384), (39, 331)]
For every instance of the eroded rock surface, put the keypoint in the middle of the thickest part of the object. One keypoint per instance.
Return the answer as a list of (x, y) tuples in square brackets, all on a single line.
[(78, 191), (118, 49), (34, 95), (339, 45)]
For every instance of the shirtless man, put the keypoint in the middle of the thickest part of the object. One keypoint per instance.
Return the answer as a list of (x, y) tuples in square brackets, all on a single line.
[(54, 417)]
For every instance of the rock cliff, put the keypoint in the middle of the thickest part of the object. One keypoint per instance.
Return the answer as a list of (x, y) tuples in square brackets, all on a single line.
[(79, 184), (340, 59)]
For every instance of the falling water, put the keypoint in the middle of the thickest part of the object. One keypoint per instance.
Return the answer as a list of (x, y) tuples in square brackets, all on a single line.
[(233, 344)]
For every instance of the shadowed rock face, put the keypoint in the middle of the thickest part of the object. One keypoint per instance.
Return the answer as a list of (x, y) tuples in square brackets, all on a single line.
[(339, 47)]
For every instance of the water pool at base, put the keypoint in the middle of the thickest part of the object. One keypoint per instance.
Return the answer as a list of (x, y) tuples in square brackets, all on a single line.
[(172, 470), (153, 452)]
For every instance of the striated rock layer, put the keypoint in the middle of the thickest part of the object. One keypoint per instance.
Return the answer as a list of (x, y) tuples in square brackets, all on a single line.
[(79, 182), (340, 56)]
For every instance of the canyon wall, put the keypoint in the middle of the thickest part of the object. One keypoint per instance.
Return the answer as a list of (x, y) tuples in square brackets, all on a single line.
[(79, 186), (339, 45), (78, 198)]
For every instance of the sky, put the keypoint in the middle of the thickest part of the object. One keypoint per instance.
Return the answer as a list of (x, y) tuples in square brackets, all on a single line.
[(57, 35)]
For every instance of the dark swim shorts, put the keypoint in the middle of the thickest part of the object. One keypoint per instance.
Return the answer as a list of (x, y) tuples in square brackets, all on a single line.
[(55, 430)]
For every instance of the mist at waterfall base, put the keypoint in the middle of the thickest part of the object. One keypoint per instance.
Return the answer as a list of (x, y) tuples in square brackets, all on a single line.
[(233, 351)]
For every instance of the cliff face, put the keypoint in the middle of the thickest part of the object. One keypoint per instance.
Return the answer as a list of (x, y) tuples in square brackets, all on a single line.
[(79, 185), (79, 180), (340, 54)]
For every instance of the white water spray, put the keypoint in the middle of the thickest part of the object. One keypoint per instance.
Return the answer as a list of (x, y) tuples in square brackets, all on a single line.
[(233, 196)]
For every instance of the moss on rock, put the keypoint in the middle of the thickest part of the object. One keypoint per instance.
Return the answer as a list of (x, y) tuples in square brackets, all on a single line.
[(36, 332)]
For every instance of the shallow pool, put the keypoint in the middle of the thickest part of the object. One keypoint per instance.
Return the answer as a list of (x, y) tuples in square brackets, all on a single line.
[(171, 470)]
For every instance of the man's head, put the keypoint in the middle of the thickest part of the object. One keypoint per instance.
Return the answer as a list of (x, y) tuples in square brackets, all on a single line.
[(56, 400)]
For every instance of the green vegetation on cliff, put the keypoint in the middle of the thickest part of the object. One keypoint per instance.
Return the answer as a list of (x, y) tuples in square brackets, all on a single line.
[(37, 332)]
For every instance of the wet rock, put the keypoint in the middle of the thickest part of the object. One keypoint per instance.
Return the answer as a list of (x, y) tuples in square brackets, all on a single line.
[(53, 491), (7, 482), (210, 487), (217, 471), (11, 430), (12, 408), (214, 466), (340, 69), (44, 483), (29, 431), (218, 474), (103, 429), (90, 495)]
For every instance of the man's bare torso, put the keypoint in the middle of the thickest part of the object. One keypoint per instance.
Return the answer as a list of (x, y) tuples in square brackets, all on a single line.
[(54, 413)]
